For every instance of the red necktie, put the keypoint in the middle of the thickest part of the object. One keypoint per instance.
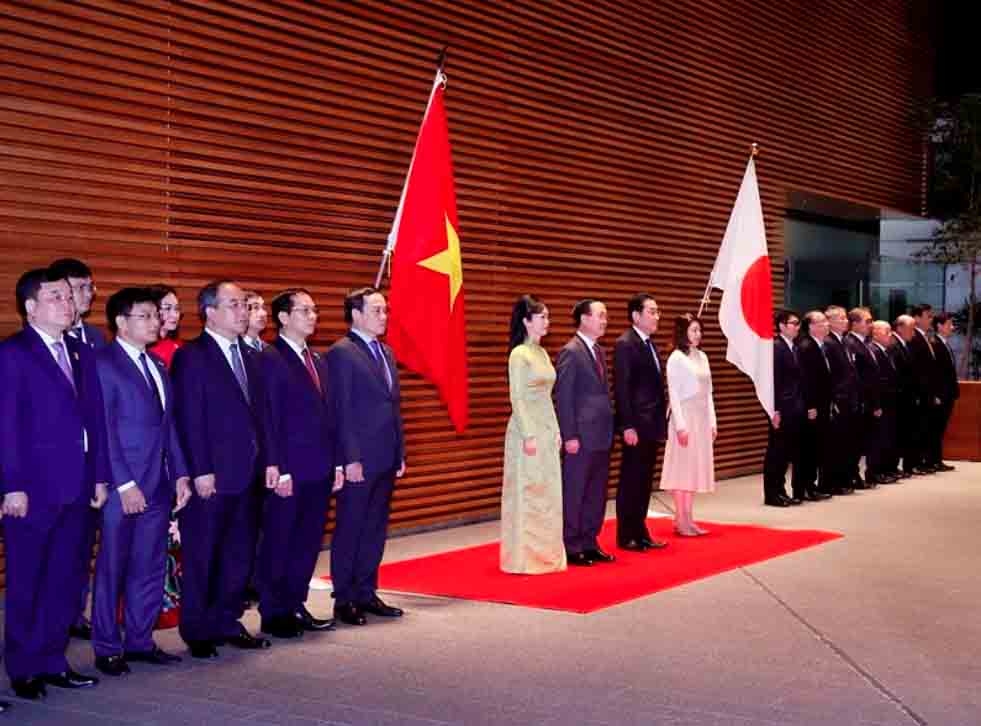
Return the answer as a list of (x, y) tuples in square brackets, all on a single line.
[(311, 369)]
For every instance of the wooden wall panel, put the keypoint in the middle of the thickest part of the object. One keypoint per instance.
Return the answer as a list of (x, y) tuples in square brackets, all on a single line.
[(598, 149)]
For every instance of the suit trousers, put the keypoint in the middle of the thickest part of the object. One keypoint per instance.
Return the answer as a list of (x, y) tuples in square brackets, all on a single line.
[(634, 489), (843, 448), (584, 480), (359, 537), (91, 531), (45, 568), (292, 533), (906, 412), (939, 418), (131, 566), (783, 447), (921, 432), (217, 552), (816, 457), (881, 437)]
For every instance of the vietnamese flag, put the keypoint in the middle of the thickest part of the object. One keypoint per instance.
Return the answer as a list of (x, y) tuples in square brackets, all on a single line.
[(426, 326), (742, 272)]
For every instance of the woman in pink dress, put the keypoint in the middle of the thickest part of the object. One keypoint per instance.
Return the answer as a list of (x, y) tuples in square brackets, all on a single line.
[(688, 458)]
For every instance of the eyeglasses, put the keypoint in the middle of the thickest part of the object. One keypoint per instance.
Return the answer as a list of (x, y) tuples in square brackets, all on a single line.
[(795, 323), (144, 316)]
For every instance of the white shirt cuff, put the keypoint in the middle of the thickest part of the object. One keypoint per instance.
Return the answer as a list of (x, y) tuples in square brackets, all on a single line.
[(283, 478), (128, 485)]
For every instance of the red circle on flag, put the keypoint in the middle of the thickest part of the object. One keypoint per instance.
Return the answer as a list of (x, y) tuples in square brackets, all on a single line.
[(757, 298)]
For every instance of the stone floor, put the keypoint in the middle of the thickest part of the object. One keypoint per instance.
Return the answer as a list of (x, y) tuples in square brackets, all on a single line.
[(880, 627)]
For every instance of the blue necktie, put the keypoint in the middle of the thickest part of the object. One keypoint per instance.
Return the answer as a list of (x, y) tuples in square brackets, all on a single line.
[(380, 360), (151, 382), (238, 367)]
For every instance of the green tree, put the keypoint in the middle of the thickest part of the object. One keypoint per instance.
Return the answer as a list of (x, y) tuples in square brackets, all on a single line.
[(953, 130)]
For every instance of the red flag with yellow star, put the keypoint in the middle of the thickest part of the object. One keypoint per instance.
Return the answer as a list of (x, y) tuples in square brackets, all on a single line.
[(426, 325)]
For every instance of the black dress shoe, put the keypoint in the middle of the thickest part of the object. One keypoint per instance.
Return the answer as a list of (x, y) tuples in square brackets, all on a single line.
[(314, 625), (653, 544), (4, 706), (776, 502), (597, 554), (633, 545), (69, 679), (349, 613), (202, 649), (30, 689), (945, 467), (795, 501), (282, 627), (81, 630), (578, 559), (375, 606), (112, 665), (157, 656), (244, 640), (905, 474), (922, 471)]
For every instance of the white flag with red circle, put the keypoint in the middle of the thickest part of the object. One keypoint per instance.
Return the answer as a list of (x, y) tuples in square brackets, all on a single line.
[(742, 272)]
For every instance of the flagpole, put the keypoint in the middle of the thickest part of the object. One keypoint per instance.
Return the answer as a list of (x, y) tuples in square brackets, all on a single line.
[(754, 149), (393, 235)]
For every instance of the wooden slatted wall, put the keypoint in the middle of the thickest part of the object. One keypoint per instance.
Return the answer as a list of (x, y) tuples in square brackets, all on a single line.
[(598, 149)]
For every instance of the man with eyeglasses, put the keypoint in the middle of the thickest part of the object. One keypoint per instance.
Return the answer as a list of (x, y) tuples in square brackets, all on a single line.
[(301, 442), (258, 319), (641, 419), (147, 470), (364, 386), (79, 277), (52, 435), (219, 403)]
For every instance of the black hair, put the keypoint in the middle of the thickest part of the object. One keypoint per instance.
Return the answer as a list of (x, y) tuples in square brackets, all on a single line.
[(524, 308), (283, 303), (69, 267), (681, 325), (583, 307), (636, 304), (29, 285), (917, 310), (354, 300), (122, 302), (783, 316), (941, 318)]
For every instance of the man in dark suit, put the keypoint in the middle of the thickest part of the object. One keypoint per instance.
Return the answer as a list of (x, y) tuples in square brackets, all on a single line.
[(582, 394), (641, 420), (147, 468), (301, 442), (882, 429), (219, 403), (925, 374), (870, 408), (816, 457), (908, 402), (846, 401), (365, 394), (79, 277), (52, 435), (786, 427), (947, 387)]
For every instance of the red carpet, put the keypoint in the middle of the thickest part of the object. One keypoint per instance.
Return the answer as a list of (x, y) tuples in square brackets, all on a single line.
[(473, 574)]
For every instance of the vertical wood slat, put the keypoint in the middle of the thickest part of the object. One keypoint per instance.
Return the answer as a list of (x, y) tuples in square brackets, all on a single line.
[(598, 149)]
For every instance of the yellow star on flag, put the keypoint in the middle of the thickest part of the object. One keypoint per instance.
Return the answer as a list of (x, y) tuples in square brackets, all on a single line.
[(448, 262)]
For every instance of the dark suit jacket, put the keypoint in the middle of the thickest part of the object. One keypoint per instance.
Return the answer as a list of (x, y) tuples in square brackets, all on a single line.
[(583, 397), (948, 388), (44, 423), (907, 391), (139, 438), (300, 434), (220, 431), (845, 391), (924, 368), (867, 371), (367, 415), (787, 387), (639, 386), (888, 377), (815, 376)]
